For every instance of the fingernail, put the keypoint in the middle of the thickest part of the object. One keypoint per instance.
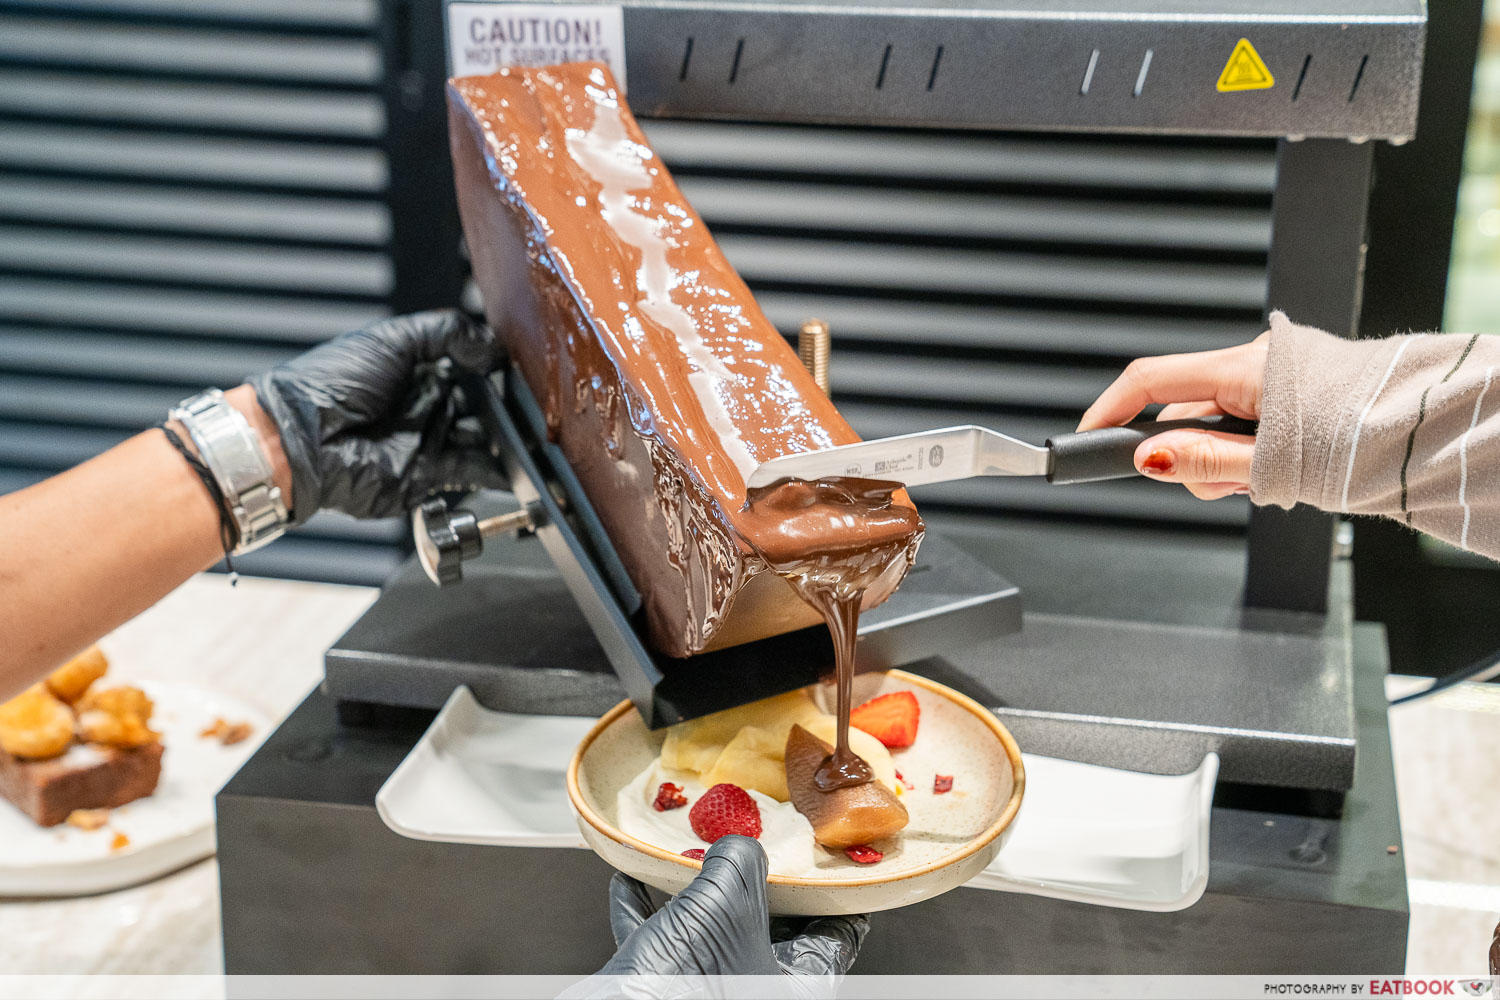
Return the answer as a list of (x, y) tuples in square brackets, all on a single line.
[(1160, 462), (1243, 491)]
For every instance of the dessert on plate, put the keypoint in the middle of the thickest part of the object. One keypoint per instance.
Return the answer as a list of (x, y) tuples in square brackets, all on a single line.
[(751, 770), (67, 744)]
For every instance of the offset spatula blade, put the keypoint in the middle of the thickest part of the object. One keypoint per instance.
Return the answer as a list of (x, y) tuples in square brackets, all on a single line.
[(913, 459)]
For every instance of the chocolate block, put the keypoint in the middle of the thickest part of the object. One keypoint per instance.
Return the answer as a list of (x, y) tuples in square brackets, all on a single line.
[(661, 379), (86, 777)]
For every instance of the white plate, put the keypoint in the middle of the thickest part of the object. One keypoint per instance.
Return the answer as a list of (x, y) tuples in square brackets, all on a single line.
[(168, 829), (483, 777), (1102, 835), (1086, 833)]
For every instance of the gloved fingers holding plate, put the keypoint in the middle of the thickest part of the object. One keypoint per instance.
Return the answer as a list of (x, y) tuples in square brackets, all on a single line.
[(719, 926)]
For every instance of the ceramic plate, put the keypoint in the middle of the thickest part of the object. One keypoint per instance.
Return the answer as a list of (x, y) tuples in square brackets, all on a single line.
[(483, 777), (1093, 834), (949, 839), (166, 830)]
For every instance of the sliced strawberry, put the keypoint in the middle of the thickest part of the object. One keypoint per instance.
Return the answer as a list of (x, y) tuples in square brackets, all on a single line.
[(863, 854), (891, 718), (669, 796), (725, 809), (942, 783), (695, 853)]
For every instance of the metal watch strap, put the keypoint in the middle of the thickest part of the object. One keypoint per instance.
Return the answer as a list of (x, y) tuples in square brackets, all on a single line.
[(230, 448)]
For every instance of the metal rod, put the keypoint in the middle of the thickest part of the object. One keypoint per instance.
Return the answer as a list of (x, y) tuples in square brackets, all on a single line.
[(516, 520), (814, 344)]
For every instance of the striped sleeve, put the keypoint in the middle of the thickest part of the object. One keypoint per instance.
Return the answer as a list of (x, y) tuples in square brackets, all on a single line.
[(1406, 427)]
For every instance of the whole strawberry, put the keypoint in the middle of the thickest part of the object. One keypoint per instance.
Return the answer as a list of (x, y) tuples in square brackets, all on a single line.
[(722, 810)]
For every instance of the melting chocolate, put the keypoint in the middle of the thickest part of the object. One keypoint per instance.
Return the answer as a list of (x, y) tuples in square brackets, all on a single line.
[(661, 380), (833, 540)]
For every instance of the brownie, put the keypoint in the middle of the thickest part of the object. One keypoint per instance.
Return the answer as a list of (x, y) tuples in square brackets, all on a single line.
[(86, 777), (661, 379)]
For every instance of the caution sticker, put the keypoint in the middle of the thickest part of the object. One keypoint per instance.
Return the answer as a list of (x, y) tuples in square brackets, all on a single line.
[(1245, 70), (484, 36)]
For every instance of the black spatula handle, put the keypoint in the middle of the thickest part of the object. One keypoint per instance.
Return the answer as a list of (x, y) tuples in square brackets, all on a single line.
[(1109, 452)]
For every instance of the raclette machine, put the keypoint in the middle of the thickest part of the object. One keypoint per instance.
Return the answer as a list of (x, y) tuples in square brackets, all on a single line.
[(1326, 78), (1127, 662)]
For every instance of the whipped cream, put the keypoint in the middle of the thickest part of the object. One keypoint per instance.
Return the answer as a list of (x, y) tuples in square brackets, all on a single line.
[(786, 834)]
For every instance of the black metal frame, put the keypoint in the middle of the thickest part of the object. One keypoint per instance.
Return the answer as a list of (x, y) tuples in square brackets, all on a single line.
[(1316, 275), (425, 232), (1436, 616)]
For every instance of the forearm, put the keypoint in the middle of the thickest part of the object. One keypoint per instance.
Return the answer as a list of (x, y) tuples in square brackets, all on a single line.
[(1407, 427), (87, 550)]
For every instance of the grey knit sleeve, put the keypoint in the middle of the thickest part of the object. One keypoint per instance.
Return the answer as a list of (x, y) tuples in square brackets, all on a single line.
[(1407, 427)]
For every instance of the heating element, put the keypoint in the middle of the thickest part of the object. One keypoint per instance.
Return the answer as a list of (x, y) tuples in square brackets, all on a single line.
[(1304, 68)]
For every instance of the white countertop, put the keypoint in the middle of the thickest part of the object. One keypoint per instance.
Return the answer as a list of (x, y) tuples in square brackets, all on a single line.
[(263, 641)]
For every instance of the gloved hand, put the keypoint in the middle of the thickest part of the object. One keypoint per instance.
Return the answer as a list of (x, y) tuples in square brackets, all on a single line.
[(372, 422), (718, 926)]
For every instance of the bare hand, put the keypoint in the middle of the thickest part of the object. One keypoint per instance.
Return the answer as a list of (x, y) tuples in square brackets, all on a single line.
[(1209, 463)]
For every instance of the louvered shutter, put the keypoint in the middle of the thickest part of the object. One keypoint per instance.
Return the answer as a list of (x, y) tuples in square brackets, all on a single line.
[(190, 191)]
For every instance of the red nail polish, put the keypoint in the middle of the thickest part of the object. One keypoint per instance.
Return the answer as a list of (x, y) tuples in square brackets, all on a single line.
[(1159, 463)]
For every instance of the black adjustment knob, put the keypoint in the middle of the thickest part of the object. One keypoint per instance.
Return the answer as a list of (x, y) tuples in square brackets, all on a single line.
[(445, 539)]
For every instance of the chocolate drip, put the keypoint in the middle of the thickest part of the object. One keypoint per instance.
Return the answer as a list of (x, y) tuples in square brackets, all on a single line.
[(834, 539), (843, 767)]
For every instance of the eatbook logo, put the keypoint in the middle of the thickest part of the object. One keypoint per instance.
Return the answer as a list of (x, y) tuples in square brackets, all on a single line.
[(1477, 987)]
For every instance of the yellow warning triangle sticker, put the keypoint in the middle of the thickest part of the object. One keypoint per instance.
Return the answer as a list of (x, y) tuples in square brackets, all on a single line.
[(1245, 70)]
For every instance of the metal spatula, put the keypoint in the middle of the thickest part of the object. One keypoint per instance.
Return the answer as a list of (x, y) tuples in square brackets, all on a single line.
[(967, 451)]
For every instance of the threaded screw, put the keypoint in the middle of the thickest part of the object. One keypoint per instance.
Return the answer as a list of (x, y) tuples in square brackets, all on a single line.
[(814, 344)]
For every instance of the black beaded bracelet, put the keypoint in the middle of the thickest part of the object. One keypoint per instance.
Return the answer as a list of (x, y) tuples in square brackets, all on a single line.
[(228, 533)]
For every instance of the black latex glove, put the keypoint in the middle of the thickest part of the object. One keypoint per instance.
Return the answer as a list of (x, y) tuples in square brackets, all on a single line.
[(718, 926), (372, 422)]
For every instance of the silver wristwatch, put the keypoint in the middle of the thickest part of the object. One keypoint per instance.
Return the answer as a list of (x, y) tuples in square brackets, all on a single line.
[(230, 448)]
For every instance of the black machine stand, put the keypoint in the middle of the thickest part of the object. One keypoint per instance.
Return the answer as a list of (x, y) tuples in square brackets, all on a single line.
[(314, 882)]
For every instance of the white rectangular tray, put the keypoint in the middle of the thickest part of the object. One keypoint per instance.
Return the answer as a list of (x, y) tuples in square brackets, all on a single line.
[(1085, 833)]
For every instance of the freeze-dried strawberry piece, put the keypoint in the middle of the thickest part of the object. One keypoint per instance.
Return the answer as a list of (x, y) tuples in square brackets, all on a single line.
[(904, 783), (942, 783), (863, 854), (695, 853), (669, 796)]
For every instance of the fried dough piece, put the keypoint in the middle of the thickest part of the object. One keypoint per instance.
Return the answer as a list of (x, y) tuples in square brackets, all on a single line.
[(69, 681), (35, 724), (226, 732), (117, 717)]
